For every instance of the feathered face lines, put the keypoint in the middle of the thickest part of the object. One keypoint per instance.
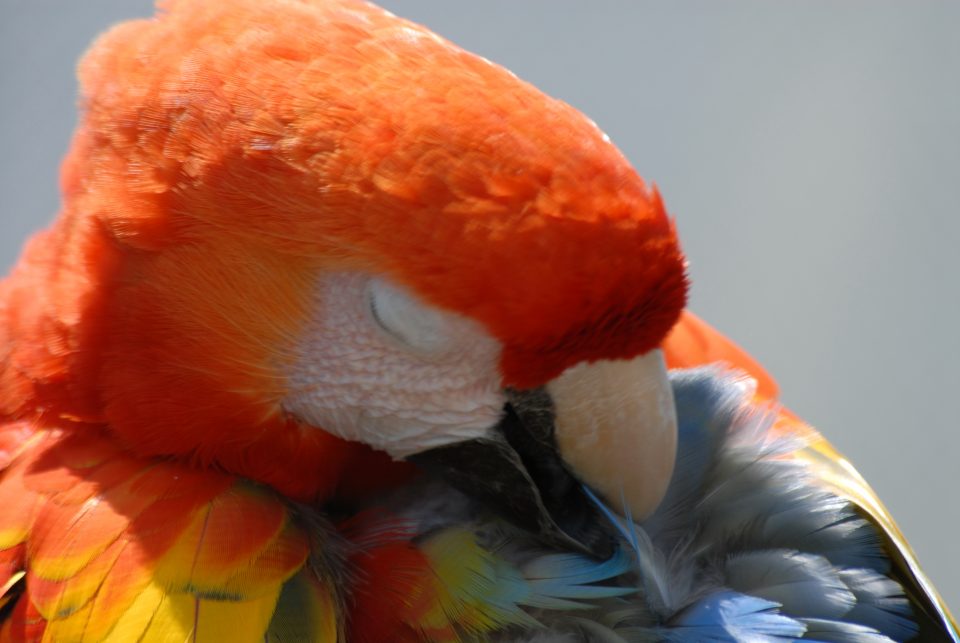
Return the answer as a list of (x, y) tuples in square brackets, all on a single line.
[(378, 366)]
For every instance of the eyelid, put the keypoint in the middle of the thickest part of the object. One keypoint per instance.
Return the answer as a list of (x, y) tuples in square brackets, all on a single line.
[(372, 307), (426, 330)]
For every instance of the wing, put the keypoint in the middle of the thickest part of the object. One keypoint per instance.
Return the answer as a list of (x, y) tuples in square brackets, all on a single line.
[(694, 343), (98, 545)]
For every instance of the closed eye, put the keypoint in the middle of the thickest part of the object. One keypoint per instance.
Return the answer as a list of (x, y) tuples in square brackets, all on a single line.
[(402, 316)]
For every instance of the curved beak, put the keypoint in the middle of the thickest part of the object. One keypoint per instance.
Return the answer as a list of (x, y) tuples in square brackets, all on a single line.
[(610, 425), (616, 428)]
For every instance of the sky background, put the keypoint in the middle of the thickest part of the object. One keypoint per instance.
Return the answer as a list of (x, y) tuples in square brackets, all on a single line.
[(810, 152)]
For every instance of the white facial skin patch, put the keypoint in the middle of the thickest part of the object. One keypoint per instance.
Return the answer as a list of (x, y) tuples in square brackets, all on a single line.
[(377, 365)]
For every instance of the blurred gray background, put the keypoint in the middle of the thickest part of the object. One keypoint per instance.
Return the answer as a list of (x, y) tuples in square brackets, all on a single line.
[(809, 150)]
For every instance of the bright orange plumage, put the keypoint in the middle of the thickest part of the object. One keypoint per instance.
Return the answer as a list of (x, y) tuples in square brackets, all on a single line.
[(109, 541), (283, 140)]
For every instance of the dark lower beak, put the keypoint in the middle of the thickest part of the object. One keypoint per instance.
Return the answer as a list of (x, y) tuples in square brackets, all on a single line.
[(517, 473)]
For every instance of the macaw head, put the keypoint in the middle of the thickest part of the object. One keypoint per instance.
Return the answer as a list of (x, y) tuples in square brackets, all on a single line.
[(294, 226)]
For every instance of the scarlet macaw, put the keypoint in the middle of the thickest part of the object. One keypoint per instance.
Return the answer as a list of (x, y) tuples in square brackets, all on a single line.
[(344, 333)]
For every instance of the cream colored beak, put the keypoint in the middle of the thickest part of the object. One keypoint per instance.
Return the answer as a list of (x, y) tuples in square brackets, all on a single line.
[(616, 429)]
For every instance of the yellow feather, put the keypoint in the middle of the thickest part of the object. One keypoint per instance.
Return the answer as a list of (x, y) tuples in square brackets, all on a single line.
[(305, 612), (13, 535), (62, 598), (155, 616), (212, 558), (466, 576), (183, 617), (123, 595)]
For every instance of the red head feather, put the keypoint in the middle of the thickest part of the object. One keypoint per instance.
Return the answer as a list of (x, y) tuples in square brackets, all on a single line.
[(231, 151)]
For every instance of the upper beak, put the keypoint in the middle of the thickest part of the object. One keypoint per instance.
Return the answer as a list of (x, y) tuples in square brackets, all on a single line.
[(610, 425)]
